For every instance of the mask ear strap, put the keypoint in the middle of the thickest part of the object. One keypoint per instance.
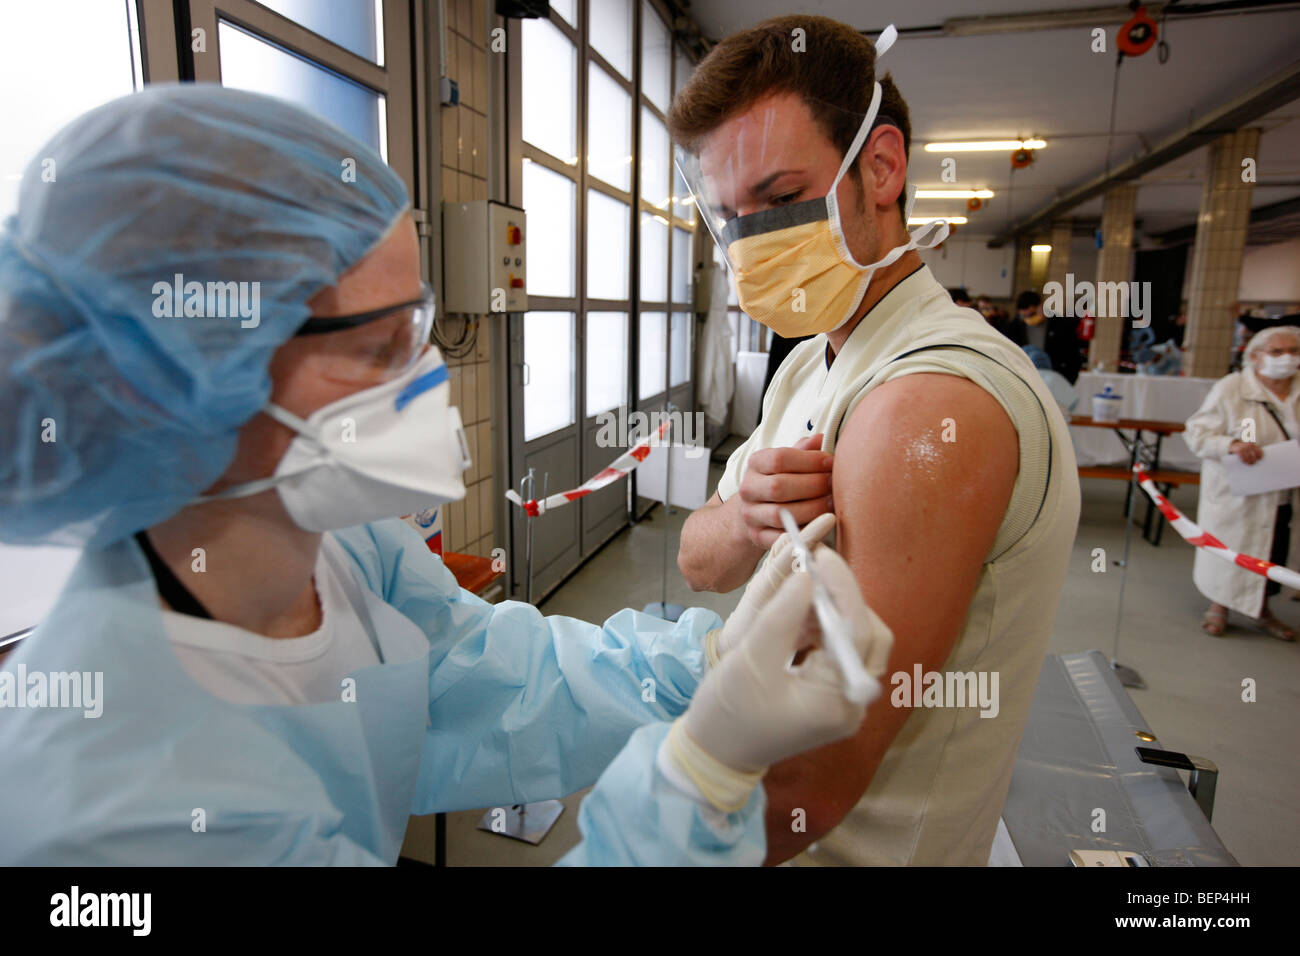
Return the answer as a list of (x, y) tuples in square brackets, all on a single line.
[(859, 139), (239, 491), (284, 417), (883, 43), (885, 40), (907, 208), (287, 418)]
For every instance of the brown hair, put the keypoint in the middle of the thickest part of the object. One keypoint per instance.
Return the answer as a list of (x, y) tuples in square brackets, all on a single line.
[(834, 75)]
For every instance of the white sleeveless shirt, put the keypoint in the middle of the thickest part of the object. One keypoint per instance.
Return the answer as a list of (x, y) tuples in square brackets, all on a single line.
[(937, 795)]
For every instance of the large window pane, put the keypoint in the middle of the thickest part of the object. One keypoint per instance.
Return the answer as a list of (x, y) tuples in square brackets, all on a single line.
[(550, 90), (606, 361), (656, 57), (611, 33), (683, 204), (653, 364), (550, 201), (682, 267), (251, 63), (566, 9), (356, 25), (609, 129), (548, 353), (41, 92), (607, 246), (654, 258), (681, 364), (654, 160)]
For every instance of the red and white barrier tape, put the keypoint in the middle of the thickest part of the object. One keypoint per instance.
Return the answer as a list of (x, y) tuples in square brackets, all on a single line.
[(620, 467), (1195, 536)]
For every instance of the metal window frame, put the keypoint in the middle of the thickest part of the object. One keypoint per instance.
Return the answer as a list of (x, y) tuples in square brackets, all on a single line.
[(395, 81), (157, 23), (581, 304)]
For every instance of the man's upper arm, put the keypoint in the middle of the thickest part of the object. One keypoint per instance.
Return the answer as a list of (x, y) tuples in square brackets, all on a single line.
[(917, 516)]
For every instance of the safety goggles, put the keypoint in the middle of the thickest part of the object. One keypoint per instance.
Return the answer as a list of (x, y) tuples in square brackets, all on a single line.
[(373, 346)]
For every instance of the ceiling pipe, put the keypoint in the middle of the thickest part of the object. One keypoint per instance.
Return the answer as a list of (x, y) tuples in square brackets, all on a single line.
[(1278, 210), (1111, 14), (1043, 20), (1279, 89)]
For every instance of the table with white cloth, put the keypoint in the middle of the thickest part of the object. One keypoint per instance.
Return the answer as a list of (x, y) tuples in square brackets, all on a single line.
[(1166, 398)]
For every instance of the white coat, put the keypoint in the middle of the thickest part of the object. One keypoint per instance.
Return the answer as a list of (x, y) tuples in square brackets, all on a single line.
[(716, 375), (1243, 523)]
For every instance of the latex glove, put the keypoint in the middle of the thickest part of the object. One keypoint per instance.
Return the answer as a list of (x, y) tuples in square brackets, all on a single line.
[(762, 586), (754, 710)]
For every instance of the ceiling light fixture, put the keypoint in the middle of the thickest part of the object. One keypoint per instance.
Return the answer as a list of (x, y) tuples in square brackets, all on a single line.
[(986, 144), (954, 194), (1043, 20)]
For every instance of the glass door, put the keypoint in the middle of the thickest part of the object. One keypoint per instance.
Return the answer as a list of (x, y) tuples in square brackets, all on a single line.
[(609, 263), (544, 355)]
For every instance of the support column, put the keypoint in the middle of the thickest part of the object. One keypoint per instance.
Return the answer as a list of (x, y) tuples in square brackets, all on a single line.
[(1058, 264), (1216, 255), (1115, 264)]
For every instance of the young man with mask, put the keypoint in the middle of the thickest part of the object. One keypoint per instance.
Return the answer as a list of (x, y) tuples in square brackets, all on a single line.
[(930, 436)]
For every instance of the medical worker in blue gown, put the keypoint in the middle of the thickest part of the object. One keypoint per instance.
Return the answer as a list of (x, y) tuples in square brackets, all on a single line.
[(214, 376)]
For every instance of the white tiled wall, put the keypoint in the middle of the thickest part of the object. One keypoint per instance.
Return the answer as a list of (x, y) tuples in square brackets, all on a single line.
[(468, 526)]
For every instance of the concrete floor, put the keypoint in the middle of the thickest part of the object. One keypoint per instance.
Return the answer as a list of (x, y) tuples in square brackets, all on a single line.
[(1192, 701)]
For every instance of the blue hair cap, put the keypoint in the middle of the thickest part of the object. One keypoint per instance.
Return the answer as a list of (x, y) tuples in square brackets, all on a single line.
[(164, 246)]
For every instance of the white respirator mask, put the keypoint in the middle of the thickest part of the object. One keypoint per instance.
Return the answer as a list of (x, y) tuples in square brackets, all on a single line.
[(1278, 366), (382, 452)]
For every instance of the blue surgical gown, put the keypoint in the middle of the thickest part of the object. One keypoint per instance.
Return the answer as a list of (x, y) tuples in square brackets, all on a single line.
[(507, 706)]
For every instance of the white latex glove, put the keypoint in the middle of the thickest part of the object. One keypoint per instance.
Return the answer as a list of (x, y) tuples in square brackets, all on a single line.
[(753, 710), (762, 586)]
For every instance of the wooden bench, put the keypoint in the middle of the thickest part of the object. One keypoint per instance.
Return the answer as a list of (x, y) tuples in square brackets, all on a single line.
[(1163, 479), (1159, 477), (473, 573)]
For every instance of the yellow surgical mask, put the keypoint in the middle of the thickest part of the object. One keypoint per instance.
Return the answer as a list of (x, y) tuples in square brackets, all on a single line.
[(792, 265), (794, 271)]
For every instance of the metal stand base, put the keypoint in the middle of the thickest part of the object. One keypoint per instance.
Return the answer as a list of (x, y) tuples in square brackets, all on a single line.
[(669, 612), (1127, 675), (528, 822)]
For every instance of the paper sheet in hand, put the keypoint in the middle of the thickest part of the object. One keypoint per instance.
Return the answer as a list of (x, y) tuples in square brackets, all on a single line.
[(690, 484), (1278, 469)]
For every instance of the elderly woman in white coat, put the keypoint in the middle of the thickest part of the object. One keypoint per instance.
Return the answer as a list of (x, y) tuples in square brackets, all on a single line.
[(1262, 397)]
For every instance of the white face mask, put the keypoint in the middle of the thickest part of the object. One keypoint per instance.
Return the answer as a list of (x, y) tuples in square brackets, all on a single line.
[(385, 451), (1278, 366)]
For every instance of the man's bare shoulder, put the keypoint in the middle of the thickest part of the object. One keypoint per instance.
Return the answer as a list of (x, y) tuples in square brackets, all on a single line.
[(929, 429)]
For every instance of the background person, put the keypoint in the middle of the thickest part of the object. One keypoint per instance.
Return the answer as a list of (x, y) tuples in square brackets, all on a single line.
[(1012, 328), (1055, 335), (1264, 392)]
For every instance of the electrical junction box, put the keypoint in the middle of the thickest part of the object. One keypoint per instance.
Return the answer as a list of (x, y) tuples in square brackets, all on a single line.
[(484, 258)]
